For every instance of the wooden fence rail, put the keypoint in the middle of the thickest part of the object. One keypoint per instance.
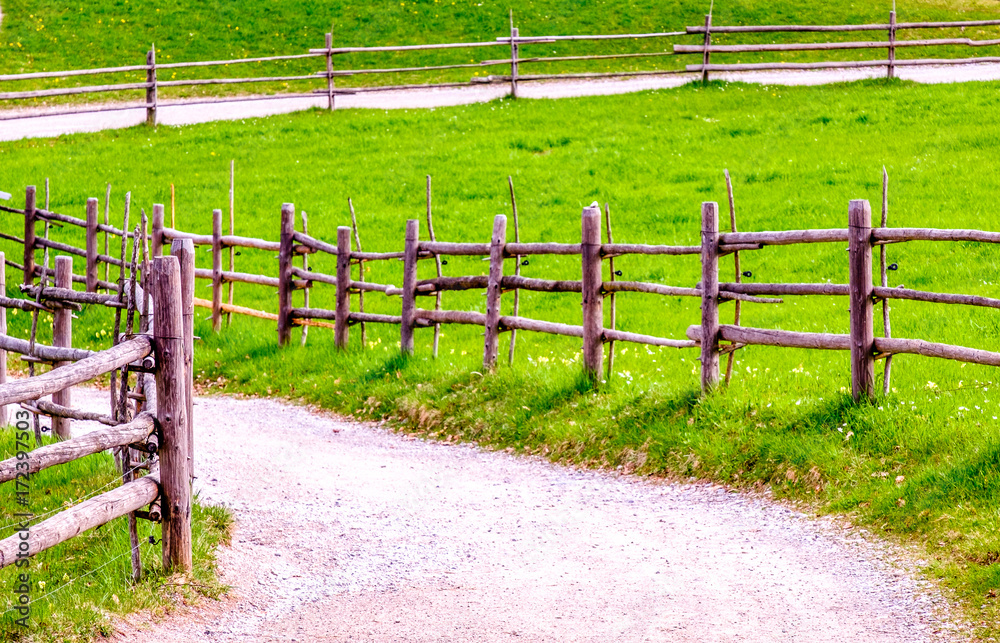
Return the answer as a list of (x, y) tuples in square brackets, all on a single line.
[(322, 82)]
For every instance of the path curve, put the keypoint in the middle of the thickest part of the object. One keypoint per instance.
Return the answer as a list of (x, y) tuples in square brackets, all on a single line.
[(347, 531), (45, 126)]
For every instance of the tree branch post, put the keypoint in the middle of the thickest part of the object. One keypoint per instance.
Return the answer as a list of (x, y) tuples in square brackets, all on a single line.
[(62, 336), (91, 273), (493, 292), (216, 270), (285, 273), (408, 315), (343, 311), (859, 249), (709, 296), (593, 298), (29, 235), (183, 249)]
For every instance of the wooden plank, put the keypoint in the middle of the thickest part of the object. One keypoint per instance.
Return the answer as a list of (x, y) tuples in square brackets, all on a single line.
[(43, 352), (451, 316), (79, 518), (494, 290), (242, 277), (285, 286), (836, 28), (655, 289), (538, 326), (315, 244), (541, 285), (342, 331), (410, 286), (91, 254), (62, 337), (934, 234), (522, 249), (70, 91), (138, 430), (378, 319), (779, 338), (593, 299), (171, 414), (612, 335), (916, 62), (786, 289), (895, 346), (785, 237), (455, 249), (934, 297), (862, 309), (457, 45), (618, 249), (830, 46)]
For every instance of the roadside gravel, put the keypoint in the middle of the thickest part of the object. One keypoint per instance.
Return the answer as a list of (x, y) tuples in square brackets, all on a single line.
[(349, 532)]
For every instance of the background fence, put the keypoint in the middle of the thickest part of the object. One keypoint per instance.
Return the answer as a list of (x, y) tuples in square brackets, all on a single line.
[(323, 82)]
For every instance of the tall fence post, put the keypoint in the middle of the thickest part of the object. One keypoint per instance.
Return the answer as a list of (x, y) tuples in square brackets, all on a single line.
[(216, 270), (494, 289), (892, 44), (156, 235), (3, 331), (29, 235), (151, 94), (859, 249), (329, 72), (514, 47), (183, 249), (91, 273), (709, 296), (171, 413), (409, 310), (62, 336), (285, 273), (707, 54), (343, 312), (593, 299)]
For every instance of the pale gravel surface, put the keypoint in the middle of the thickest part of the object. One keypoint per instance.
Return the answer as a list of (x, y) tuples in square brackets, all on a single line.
[(349, 532), (43, 126)]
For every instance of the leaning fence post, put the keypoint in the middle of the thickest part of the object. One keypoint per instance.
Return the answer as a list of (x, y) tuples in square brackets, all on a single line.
[(171, 413), (91, 273), (156, 239), (285, 273), (494, 289), (707, 54), (3, 331), (183, 249), (216, 270), (329, 72), (409, 286), (151, 97), (343, 312), (892, 44), (859, 249), (513, 61), (593, 299), (709, 296), (29, 235), (62, 336)]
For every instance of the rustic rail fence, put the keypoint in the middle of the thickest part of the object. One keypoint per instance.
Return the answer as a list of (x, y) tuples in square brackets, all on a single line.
[(711, 337), (157, 441), (323, 82)]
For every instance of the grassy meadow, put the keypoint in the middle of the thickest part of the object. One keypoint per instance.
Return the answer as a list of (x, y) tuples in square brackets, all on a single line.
[(921, 465)]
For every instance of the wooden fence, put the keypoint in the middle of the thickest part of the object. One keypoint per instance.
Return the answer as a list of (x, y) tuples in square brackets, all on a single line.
[(160, 444), (323, 82), (714, 339)]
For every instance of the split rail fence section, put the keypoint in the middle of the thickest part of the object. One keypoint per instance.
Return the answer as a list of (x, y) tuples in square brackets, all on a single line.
[(153, 433), (514, 43)]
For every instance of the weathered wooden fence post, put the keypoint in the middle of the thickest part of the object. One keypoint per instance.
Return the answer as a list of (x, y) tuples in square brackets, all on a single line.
[(3, 331), (329, 72), (859, 249), (151, 94), (593, 299), (216, 270), (183, 249), (494, 289), (156, 235), (514, 47), (91, 273), (285, 284), (709, 296), (409, 286), (29, 235), (62, 336), (707, 55), (892, 44), (171, 413), (343, 311)]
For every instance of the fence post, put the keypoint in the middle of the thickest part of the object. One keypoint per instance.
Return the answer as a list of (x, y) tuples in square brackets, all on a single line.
[(514, 47), (343, 312), (156, 238), (151, 94), (285, 273), (3, 331), (859, 248), (62, 336), (216, 270), (29, 235), (892, 44), (171, 413), (183, 249), (493, 291), (329, 71), (409, 286), (709, 296), (593, 299), (91, 273), (707, 55)]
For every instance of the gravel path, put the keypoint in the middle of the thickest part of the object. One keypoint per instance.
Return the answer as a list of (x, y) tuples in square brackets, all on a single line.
[(44, 126), (348, 532)]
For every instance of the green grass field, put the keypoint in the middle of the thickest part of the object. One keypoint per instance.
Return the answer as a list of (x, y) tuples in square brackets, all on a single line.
[(921, 465), (48, 35)]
